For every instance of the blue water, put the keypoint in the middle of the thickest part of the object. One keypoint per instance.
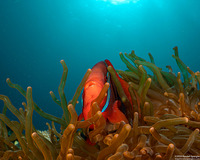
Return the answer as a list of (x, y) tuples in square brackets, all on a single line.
[(36, 34)]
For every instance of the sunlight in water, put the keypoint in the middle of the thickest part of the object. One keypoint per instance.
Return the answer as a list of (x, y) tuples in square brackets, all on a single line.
[(120, 1)]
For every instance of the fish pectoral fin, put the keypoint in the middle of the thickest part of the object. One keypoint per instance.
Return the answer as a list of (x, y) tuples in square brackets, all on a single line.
[(116, 115)]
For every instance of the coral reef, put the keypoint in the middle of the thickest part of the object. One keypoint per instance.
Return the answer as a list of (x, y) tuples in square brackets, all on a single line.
[(164, 120)]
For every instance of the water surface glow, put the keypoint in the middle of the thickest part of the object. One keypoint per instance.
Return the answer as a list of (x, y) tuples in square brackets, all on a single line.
[(116, 2)]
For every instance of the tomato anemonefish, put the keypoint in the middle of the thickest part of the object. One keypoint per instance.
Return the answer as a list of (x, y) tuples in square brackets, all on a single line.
[(111, 103)]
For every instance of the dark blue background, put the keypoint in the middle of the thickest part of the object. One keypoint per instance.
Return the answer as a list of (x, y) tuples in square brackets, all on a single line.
[(36, 34)]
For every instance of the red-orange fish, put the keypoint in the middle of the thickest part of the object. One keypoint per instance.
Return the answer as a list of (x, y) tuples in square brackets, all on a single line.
[(93, 86)]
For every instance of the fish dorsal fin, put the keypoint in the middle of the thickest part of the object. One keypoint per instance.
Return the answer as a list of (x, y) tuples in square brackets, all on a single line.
[(82, 97)]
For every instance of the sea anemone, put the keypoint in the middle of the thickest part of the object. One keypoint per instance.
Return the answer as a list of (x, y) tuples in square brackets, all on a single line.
[(164, 119)]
